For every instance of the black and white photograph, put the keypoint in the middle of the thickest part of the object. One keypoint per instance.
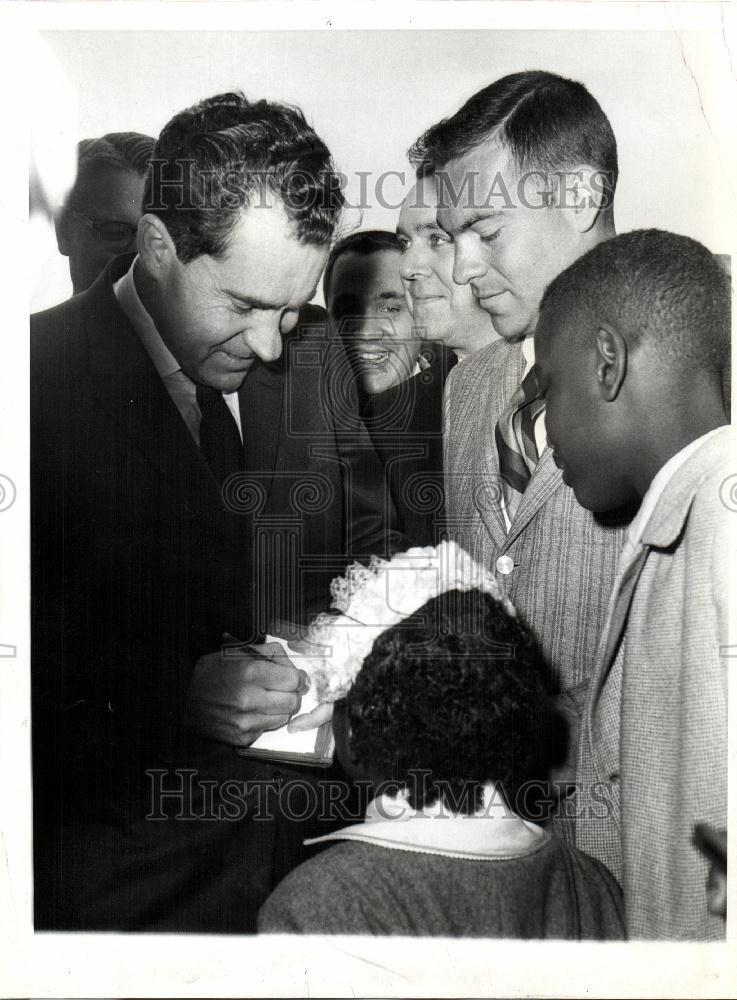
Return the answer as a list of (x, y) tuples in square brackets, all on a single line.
[(368, 499)]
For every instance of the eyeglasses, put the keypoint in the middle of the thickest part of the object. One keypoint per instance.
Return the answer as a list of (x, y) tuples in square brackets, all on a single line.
[(114, 234)]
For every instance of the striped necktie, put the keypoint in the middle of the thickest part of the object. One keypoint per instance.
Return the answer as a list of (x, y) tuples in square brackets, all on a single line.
[(515, 441)]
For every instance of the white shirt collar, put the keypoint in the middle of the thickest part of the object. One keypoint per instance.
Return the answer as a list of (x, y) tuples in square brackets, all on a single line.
[(528, 353), (658, 485), (140, 319)]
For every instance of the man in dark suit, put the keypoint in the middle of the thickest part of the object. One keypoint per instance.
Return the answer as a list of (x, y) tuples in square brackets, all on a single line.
[(191, 478), (400, 380)]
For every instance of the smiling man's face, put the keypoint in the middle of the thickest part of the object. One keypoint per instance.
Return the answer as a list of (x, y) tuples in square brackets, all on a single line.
[(217, 316), (507, 248), (366, 304), (441, 309)]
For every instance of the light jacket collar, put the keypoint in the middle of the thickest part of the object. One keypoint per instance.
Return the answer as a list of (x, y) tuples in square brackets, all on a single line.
[(493, 834)]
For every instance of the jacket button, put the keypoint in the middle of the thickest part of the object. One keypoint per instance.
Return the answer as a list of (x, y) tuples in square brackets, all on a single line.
[(505, 565)]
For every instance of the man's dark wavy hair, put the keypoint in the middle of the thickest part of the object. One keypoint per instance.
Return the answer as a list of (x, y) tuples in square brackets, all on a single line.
[(459, 689), (545, 121), (223, 155)]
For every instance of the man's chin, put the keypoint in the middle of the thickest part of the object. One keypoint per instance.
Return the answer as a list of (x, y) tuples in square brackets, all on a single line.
[(374, 384), (508, 329), (224, 381), (604, 505), (431, 318)]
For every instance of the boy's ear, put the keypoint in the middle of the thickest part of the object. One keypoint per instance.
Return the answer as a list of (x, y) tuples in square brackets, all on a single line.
[(611, 362)]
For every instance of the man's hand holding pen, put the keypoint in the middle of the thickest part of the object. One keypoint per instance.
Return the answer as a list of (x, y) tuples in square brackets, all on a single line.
[(241, 691)]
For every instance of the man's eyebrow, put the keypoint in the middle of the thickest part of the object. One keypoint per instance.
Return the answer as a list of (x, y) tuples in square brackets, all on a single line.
[(249, 300), (390, 295), (479, 216), (426, 227)]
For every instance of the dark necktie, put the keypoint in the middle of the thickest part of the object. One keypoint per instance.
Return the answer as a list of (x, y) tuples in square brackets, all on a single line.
[(220, 442), (515, 441)]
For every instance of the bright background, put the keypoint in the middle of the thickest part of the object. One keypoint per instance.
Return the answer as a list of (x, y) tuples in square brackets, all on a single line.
[(369, 94)]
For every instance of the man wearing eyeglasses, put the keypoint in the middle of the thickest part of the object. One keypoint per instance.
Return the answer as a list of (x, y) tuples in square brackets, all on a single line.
[(100, 216)]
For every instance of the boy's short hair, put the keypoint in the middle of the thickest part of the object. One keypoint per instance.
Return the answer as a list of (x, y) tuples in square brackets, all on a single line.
[(660, 289), (458, 690)]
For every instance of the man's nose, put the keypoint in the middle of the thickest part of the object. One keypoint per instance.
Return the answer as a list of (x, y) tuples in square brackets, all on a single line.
[(467, 262), (369, 328), (412, 264), (266, 340)]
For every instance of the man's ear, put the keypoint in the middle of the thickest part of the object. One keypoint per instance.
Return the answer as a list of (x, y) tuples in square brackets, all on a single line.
[(611, 362), (580, 192), (156, 248)]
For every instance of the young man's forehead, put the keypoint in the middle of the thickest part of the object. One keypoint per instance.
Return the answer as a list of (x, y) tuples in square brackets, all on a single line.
[(368, 266), (458, 218)]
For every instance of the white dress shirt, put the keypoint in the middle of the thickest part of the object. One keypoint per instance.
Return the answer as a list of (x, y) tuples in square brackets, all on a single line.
[(180, 387)]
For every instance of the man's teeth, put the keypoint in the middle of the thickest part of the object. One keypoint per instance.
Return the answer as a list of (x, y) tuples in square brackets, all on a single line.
[(373, 357)]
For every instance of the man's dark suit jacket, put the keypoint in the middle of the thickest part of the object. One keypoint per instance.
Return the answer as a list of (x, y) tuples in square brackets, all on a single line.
[(406, 426), (139, 565)]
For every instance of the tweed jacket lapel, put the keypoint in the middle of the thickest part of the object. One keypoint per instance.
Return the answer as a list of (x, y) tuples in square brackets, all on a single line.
[(667, 520), (506, 375), (602, 718), (662, 529), (127, 387), (546, 479)]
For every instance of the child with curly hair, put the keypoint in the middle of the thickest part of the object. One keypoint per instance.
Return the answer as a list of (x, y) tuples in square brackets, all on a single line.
[(446, 716)]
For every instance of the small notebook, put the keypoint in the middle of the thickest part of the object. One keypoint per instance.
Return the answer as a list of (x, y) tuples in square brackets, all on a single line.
[(314, 748)]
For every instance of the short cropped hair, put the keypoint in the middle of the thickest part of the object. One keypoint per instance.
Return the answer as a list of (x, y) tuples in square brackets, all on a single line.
[(214, 159), (364, 242), (545, 121), (130, 151), (458, 690), (658, 288)]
